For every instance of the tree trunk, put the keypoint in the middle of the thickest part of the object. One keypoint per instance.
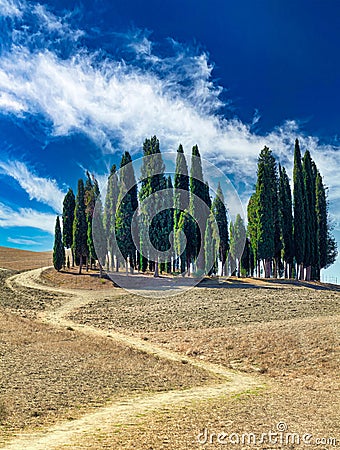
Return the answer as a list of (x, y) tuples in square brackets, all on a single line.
[(72, 253), (80, 263), (117, 265), (100, 269), (156, 274), (301, 272), (308, 273)]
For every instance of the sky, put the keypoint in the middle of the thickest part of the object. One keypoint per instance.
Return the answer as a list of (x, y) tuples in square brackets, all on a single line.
[(83, 81)]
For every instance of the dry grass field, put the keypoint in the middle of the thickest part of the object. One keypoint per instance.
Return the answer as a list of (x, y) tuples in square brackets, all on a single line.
[(103, 369)]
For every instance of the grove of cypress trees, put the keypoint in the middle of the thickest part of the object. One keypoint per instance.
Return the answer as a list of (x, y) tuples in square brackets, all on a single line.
[(100, 239), (69, 205), (299, 211), (80, 226), (58, 248)]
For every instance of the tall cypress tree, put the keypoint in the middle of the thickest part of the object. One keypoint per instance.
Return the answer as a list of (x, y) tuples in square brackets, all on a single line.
[(126, 207), (299, 211), (266, 190), (109, 217), (286, 220), (199, 194), (80, 227), (220, 212), (322, 228), (58, 248), (69, 205), (181, 195), (153, 180), (310, 200)]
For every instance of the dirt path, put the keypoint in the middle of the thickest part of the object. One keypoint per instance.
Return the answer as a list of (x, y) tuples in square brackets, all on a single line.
[(122, 412)]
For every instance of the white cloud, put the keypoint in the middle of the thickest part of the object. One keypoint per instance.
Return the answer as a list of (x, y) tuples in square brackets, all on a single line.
[(42, 189), (22, 241), (10, 8), (125, 101), (26, 217)]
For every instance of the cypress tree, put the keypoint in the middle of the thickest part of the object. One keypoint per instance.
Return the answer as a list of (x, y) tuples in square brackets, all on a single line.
[(322, 228), (211, 245), (69, 205), (220, 212), (58, 248), (181, 195), (90, 197), (299, 211), (126, 207), (286, 220), (266, 190), (80, 226), (310, 200), (109, 217), (153, 180), (199, 194)]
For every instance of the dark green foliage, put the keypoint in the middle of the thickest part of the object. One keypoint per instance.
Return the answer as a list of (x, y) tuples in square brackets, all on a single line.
[(247, 260), (69, 205), (321, 217), (220, 213), (58, 248), (299, 207), (80, 226)]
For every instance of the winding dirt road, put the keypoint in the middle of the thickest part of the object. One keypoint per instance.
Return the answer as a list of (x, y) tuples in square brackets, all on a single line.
[(70, 434)]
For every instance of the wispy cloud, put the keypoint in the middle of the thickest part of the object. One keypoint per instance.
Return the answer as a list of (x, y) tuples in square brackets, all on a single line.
[(142, 91), (23, 241), (42, 189), (10, 8), (26, 217)]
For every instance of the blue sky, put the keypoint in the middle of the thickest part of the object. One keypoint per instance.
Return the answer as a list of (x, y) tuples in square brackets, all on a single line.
[(82, 81)]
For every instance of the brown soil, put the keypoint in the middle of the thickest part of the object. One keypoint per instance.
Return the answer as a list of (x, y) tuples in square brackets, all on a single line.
[(281, 336), (14, 259)]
